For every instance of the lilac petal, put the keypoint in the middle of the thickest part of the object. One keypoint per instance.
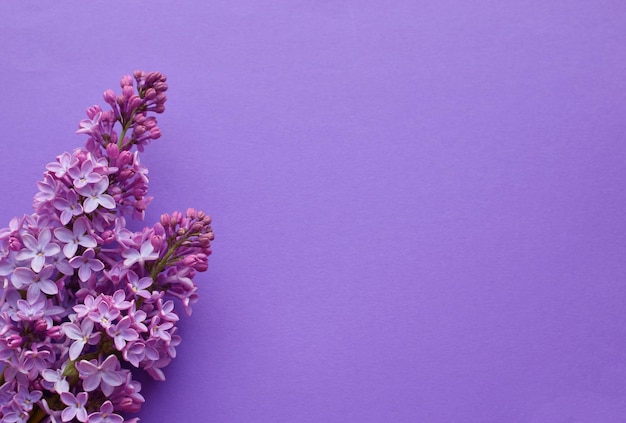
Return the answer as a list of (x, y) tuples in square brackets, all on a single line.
[(88, 241), (66, 216), (64, 235), (23, 276), (70, 249), (37, 263), (30, 242), (48, 287), (44, 237), (107, 201), (72, 331), (76, 349), (51, 250), (96, 265), (91, 382), (84, 272), (90, 205), (113, 379), (68, 414)]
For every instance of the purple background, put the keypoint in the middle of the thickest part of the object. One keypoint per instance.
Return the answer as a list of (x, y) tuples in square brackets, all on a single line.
[(419, 205)]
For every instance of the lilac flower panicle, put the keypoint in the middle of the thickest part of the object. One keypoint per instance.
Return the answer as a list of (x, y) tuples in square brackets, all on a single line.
[(84, 298)]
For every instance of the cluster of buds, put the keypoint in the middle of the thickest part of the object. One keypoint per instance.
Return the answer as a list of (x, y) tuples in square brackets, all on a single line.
[(84, 299)]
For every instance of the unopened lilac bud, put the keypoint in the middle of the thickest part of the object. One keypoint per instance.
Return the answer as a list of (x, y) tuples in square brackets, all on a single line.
[(155, 133), (159, 108), (202, 266), (160, 86), (126, 81), (125, 158), (55, 332), (126, 174), (177, 217), (41, 326), (157, 242), (128, 91), (93, 111), (150, 94), (112, 151), (153, 77), (139, 191), (14, 244), (109, 96), (139, 130), (165, 220), (141, 205), (134, 102), (158, 229), (14, 341), (190, 260), (127, 405), (108, 236)]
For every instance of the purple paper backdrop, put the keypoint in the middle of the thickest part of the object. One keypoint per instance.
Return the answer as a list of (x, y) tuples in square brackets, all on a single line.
[(419, 205)]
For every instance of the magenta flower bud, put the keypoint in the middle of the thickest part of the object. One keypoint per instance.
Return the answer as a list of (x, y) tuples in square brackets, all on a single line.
[(202, 266), (197, 227), (108, 236), (157, 242), (139, 74), (155, 133), (112, 151), (93, 111), (160, 86), (128, 91), (150, 94), (177, 217), (159, 230), (126, 81), (141, 205), (109, 96), (139, 130), (125, 158), (115, 190), (153, 77), (126, 174), (14, 244), (41, 326), (14, 341), (127, 405), (55, 332), (159, 109), (134, 102), (165, 220)]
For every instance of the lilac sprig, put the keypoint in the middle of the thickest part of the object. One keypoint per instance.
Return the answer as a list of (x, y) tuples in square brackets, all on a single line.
[(84, 299)]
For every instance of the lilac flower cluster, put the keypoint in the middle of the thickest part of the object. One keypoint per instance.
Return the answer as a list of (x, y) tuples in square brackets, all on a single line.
[(84, 299)]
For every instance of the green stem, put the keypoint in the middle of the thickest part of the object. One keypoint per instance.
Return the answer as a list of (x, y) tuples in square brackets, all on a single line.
[(125, 127)]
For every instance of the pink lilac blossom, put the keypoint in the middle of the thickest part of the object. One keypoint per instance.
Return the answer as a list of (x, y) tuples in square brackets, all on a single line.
[(84, 298)]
